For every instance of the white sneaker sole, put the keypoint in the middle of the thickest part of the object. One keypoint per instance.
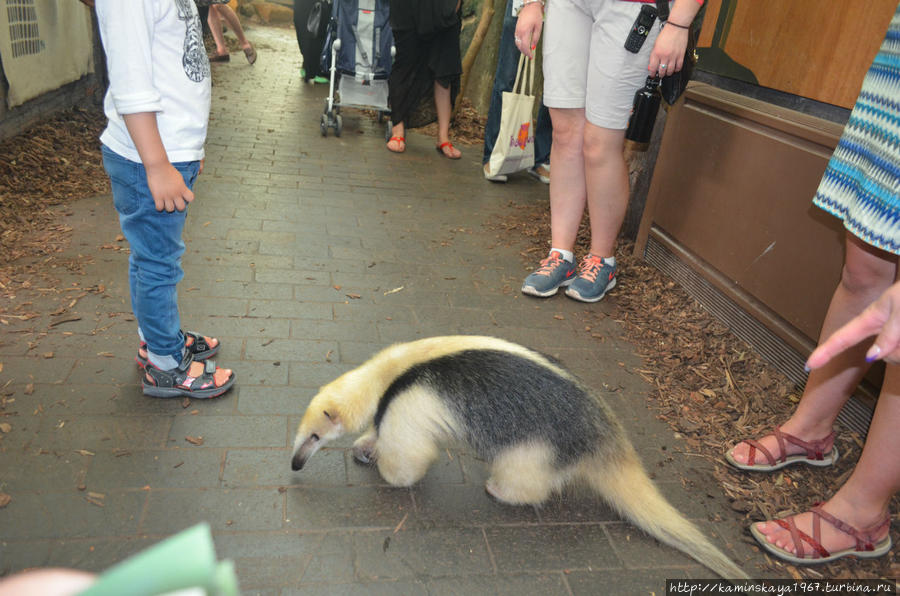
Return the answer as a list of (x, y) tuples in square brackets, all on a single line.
[(532, 291), (571, 293)]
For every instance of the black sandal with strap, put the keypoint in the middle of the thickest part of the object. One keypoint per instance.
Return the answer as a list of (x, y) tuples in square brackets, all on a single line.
[(178, 382), (198, 345)]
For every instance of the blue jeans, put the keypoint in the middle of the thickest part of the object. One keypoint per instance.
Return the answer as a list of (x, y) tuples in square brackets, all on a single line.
[(507, 63), (154, 267)]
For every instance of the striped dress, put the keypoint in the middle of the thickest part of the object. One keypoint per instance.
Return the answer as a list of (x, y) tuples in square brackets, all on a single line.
[(861, 184)]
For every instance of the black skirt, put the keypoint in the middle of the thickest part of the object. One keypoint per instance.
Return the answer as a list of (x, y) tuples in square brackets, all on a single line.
[(425, 16), (419, 63)]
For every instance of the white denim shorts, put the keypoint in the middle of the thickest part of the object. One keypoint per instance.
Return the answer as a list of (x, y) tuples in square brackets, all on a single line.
[(586, 64)]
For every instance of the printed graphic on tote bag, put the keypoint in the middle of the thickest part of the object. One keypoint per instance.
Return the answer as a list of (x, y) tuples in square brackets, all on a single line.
[(522, 138)]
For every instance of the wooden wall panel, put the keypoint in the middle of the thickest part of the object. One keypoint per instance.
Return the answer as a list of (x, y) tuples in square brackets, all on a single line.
[(819, 49), (733, 188)]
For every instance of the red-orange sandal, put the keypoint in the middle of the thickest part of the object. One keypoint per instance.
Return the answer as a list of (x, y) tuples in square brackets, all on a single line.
[(866, 547), (440, 149), (399, 140), (815, 453)]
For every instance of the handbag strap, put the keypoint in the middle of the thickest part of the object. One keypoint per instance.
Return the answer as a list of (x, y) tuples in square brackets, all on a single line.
[(526, 67), (662, 10)]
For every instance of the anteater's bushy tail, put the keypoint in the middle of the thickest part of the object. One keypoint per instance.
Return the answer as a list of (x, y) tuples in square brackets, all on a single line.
[(624, 483)]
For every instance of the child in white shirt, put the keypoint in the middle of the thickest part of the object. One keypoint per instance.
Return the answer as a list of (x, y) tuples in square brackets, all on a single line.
[(158, 109)]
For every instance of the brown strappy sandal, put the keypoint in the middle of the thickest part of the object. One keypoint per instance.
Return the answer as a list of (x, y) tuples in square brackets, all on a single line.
[(866, 547), (815, 453)]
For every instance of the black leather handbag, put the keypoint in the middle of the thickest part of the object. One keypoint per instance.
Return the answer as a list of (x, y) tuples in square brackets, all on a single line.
[(314, 22), (672, 86)]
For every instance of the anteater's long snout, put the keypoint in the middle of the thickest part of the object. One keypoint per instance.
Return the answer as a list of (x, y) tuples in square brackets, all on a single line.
[(304, 450)]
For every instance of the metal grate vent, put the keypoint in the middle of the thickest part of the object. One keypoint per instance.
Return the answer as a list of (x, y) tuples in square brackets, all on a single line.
[(23, 28), (856, 414)]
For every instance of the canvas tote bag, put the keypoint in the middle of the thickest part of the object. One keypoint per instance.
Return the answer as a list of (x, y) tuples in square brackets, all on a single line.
[(514, 148)]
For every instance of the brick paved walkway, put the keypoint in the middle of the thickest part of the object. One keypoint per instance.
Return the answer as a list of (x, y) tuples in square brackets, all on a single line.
[(305, 255)]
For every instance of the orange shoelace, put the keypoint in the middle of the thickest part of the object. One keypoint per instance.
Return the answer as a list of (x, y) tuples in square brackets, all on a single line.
[(549, 264), (590, 267)]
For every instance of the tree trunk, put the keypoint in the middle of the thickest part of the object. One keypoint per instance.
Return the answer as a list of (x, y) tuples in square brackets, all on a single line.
[(484, 23)]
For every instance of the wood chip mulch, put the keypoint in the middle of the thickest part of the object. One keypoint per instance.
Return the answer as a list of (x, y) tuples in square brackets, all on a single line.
[(49, 164), (711, 388), (466, 128), (41, 170)]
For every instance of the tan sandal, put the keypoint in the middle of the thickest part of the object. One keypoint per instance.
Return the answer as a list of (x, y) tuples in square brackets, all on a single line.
[(866, 547), (815, 453)]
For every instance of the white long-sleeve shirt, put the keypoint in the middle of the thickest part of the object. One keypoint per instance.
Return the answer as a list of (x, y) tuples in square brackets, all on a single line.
[(157, 63)]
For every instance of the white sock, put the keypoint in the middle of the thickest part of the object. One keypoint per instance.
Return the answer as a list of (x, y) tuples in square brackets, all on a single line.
[(566, 254), (162, 362), (611, 261)]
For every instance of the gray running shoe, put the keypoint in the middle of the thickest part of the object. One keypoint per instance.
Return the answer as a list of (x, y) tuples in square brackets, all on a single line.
[(554, 272), (595, 279)]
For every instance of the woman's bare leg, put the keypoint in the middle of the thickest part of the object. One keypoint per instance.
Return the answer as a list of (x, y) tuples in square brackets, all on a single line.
[(867, 272)]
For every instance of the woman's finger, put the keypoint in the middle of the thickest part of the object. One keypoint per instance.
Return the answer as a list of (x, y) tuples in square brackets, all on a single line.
[(536, 34), (524, 42), (887, 343), (864, 325), (518, 41), (844, 338), (665, 67)]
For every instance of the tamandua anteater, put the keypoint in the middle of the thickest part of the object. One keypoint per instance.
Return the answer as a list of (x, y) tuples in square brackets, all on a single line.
[(538, 426)]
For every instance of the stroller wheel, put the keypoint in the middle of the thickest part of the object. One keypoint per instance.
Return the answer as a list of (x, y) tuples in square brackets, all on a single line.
[(338, 125), (324, 125)]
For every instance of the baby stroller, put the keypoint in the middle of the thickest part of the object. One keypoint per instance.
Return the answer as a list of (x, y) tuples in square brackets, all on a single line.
[(358, 52)]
